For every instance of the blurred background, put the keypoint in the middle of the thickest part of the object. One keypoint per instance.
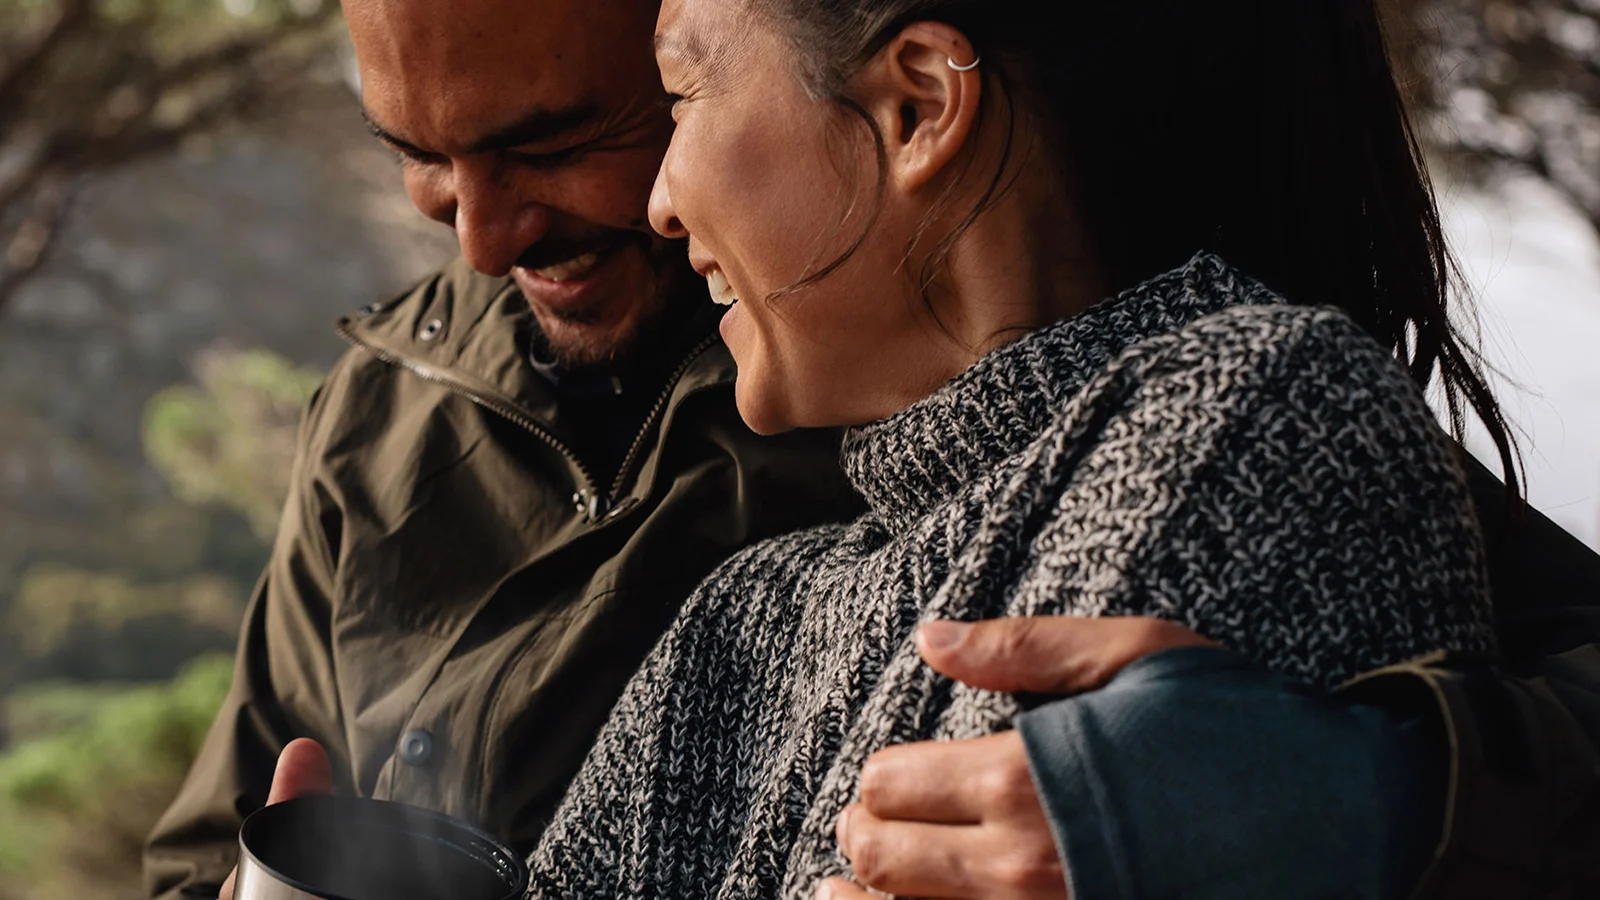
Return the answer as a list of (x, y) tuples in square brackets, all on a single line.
[(188, 199)]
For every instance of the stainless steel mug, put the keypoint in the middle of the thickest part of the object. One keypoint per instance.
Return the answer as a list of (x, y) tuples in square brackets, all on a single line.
[(342, 848)]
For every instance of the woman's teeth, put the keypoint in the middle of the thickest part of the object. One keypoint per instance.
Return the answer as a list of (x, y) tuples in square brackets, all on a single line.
[(576, 267), (721, 292)]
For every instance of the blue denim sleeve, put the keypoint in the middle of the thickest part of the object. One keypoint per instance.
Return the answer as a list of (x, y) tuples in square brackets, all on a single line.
[(1197, 774)]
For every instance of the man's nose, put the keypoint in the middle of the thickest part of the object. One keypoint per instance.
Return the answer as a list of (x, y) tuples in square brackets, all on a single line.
[(663, 217), (495, 223)]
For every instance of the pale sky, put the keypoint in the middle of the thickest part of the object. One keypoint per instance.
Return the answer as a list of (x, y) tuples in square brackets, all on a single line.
[(1535, 261)]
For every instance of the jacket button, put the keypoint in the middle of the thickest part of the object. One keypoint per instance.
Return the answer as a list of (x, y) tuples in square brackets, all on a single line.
[(416, 746), (433, 329)]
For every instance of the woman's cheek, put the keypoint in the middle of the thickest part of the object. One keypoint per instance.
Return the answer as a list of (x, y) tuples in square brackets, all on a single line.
[(758, 377)]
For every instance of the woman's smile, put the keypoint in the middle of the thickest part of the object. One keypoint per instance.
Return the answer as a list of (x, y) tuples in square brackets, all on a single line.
[(722, 292)]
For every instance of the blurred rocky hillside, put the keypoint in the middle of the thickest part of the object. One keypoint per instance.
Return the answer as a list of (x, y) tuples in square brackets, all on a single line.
[(257, 239), (151, 377)]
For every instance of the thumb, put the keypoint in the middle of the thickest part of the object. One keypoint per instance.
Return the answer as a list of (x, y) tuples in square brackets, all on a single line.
[(303, 770), (1046, 654)]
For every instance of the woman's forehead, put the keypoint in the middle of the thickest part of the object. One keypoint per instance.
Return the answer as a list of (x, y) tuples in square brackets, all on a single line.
[(704, 34)]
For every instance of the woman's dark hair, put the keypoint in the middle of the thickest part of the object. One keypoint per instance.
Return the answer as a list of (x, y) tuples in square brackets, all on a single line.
[(1271, 132)]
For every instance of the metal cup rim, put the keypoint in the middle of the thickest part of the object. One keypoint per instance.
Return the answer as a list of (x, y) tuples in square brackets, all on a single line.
[(517, 868)]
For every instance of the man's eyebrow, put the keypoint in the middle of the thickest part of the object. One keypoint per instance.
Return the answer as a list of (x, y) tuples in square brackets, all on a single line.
[(535, 127), (383, 134)]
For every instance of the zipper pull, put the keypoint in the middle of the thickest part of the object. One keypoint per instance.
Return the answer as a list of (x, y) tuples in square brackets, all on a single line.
[(592, 506)]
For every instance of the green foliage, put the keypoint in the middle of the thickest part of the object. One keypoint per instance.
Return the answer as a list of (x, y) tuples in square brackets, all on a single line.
[(47, 708), (92, 761), (95, 788), (148, 732), (66, 622), (231, 439)]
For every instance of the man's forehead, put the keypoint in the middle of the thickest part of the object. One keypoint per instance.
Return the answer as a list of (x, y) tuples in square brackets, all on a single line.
[(452, 76), (462, 44), (468, 25), (460, 41)]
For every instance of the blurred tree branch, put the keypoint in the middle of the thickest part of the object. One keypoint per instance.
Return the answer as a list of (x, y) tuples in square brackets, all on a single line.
[(1511, 82), (88, 85)]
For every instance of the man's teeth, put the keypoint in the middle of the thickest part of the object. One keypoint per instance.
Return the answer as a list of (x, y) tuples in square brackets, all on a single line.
[(721, 292), (576, 267)]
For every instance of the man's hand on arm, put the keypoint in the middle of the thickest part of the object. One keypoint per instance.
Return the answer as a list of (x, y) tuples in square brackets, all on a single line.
[(303, 771), (962, 819)]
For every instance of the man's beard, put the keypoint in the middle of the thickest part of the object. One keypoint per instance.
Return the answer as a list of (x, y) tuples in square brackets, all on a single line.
[(674, 302)]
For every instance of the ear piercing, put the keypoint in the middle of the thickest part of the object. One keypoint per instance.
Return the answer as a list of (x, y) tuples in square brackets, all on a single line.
[(966, 68)]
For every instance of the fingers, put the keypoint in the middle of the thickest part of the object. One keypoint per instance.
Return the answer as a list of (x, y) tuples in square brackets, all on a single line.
[(951, 782), (227, 887), (303, 770), (1046, 654), (910, 858), (956, 861), (951, 819)]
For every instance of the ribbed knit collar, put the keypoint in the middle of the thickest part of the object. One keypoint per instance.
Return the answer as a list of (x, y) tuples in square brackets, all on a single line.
[(909, 463)]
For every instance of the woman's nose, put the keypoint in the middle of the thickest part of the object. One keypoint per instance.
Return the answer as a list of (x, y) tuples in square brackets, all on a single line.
[(663, 217)]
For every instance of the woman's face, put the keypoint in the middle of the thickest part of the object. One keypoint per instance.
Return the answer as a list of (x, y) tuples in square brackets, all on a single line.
[(770, 185)]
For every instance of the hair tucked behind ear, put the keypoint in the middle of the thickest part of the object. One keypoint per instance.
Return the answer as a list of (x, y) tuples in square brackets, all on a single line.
[(1268, 131)]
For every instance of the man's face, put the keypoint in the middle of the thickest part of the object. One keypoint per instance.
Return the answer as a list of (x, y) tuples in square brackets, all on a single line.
[(534, 128)]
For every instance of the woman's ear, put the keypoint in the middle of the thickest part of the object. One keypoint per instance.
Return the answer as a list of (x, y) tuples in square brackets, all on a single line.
[(923, 91)]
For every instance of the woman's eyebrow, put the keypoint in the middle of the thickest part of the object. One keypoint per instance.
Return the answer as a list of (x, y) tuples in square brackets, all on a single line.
[(688, 49)]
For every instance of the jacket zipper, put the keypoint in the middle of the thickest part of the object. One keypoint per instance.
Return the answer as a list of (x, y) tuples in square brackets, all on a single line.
[(593, 506), (656, 411)]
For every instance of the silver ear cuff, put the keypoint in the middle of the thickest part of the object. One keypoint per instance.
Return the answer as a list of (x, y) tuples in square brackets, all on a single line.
[(966, 68)]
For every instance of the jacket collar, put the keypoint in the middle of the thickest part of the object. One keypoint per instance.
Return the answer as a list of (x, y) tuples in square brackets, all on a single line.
[(469, 332)]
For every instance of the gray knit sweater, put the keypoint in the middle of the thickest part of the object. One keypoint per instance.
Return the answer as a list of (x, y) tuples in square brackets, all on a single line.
[(1193, 449)]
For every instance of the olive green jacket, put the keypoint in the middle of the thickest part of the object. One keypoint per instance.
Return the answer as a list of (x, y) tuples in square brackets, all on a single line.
[(453, 604)]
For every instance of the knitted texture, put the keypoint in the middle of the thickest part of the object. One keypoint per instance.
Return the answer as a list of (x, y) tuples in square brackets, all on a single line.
[(1193, 449)]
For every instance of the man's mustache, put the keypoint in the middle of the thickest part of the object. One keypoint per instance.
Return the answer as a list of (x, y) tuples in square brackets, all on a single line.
[(551, 251)]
